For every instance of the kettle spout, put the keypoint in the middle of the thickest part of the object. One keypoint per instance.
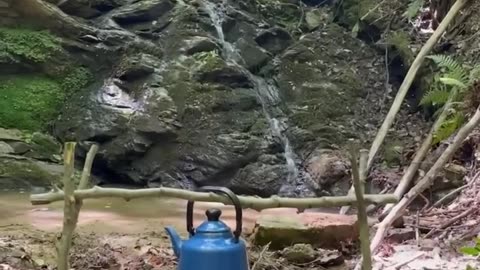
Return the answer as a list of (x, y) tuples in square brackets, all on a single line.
[(175, 239)]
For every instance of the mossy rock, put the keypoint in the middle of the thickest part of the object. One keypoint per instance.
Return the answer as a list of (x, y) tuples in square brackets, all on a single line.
[(24, 173), (29, 102), (30, 45)]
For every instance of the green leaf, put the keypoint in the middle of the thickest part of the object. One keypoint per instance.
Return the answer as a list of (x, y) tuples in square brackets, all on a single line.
[(413, 8), (356, 29), (470, 251), (453, 82), (435, 97)]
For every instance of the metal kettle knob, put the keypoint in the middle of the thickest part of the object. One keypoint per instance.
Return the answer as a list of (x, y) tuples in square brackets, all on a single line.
[(214, 214)]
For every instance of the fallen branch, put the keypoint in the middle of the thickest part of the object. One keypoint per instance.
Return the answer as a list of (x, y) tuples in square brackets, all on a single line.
[(409, 78), (426, 181), (69, 221), (362, 211), (246, 201), (407, 178)]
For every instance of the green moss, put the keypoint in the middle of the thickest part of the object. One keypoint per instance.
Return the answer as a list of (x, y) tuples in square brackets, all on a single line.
[(31, 45), (209, 61), (76, 79), (29, 101)]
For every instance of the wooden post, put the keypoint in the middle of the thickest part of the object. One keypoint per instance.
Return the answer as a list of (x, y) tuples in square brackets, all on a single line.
[(65, 241), (359, 178)]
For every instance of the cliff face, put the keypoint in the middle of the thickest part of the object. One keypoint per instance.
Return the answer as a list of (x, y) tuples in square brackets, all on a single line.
[(259, 96)]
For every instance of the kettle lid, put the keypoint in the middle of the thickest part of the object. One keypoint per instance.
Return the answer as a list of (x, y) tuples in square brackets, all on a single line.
[(213, 224)]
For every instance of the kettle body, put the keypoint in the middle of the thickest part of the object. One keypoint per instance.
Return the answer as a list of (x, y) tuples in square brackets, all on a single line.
[(216, 253), (211, 246)]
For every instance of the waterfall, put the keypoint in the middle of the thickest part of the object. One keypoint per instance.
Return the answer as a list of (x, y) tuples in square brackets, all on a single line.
[(267, 93)]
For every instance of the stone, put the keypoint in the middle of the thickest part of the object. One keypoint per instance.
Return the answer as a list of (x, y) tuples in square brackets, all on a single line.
[(306, 254), (226, 75), (318, 229), (299, 253), (259, 179), (254, 56), (142, 11), (20, 148), (17, 172), (400, 235), (44, 147), (274, 40), (136, 67), (327, 168), (10, 134), (5, 148), (197, 44)]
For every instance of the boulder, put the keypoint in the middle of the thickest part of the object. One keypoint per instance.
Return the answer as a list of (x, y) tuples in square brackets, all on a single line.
[(25, 173), (89, 8), (142, 11), (327, 168), (254, 56), (274, 40), (197, 44), (318, 229)]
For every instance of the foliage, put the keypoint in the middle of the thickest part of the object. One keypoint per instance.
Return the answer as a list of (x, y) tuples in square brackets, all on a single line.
[(29, 101), (472, 251), (283, 12), (31, 45), (209, 60), (413, 8), (76, 79), (401, 41), (450, 83)]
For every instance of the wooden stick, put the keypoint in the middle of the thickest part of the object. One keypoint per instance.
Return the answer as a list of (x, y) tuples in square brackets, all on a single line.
[(363, 176), (426, 181), (409, 78), (65, 241), (246, 201), (452, 221), (362, 211), (85, 178)]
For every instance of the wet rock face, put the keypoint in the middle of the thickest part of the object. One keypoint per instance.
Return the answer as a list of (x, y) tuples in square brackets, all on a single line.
[(187, 116), (28, 160)]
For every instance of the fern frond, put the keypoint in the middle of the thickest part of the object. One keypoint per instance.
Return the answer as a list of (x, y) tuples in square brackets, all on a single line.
[(445, 61), (435, 97), (448, 127), (454, 69), (453, 82)]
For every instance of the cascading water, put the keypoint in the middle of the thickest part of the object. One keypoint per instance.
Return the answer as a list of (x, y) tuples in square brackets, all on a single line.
[(266, 92)]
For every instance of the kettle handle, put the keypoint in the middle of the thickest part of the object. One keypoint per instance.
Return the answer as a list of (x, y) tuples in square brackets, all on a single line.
[(231, 196)]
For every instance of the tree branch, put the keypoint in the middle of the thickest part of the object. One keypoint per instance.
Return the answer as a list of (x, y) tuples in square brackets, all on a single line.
[(246, 201)]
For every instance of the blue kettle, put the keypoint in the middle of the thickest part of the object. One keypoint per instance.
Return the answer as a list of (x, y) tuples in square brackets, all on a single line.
[(211, 246)]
